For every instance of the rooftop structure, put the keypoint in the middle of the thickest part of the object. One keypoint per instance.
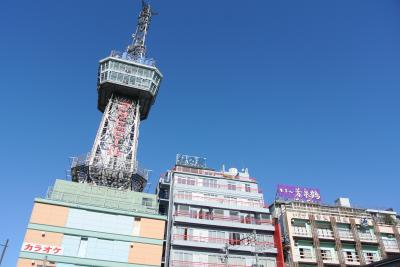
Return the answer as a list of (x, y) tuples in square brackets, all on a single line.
[(127, 87), (216, 218)]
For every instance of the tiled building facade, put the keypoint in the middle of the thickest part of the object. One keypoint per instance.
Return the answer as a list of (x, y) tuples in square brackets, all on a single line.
[(85, 225)]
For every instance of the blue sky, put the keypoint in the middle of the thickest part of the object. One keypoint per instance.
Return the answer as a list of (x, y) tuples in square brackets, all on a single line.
[(300, 92)]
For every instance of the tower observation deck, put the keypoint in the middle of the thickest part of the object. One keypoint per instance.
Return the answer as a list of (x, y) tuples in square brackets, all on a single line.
[(127, 87)]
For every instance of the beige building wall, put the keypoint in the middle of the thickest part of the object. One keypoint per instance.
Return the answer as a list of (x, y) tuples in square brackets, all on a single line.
[(43, 238), (145, 254), (152, 228), (49, 214)]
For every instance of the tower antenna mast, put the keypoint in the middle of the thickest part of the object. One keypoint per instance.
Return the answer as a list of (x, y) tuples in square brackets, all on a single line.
[(138, 48)]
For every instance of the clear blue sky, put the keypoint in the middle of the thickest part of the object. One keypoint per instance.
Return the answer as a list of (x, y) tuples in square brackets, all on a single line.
[(300, 92)]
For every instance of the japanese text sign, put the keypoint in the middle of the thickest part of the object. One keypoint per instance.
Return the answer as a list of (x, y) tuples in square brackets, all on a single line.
[(39, 248), (297, 193), (190, 161)]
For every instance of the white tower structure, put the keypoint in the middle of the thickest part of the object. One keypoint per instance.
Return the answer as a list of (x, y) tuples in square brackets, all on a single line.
[(127, 87)]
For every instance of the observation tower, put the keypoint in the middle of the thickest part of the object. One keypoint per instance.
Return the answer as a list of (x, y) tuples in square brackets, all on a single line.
[(127, 87)]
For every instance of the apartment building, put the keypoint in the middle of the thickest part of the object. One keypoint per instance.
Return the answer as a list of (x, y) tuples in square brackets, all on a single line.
[(316, 234), (79, 224), (216, 218)]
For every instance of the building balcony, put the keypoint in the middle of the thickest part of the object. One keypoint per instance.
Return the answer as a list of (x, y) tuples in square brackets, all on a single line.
[(367, 238), (391, 246), (177, 263), (223, 203), (217, 186), (212, 173), (224, 221), (305, 257), (330, 259), (220, 243), (301, 231), (325, 234), (346, 235)]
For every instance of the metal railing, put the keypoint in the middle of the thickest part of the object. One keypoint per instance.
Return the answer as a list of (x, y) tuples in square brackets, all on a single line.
[(367, 237), (238, 188), (178, 263), (218, 217), (217, 240), (301, 231), (98, 201), (329, 257), (346, 234), (126, 56), (225, 201), (136, 168), (212, 173), (325, 233), (391, 245), (305, 256)]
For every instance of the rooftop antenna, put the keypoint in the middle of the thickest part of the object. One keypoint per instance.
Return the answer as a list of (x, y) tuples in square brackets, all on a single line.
[(137, 49)]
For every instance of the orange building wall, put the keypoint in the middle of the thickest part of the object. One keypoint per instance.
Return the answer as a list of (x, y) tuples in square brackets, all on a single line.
[(28, 263), (152, 228), (49, 214), (34, 236), (145, 254)]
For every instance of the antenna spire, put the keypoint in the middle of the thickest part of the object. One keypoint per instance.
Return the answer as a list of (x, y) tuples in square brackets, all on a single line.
[(138, 49)]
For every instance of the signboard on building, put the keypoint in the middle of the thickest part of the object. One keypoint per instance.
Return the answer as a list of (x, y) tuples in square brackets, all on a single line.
[(39, 248), (191, 161), (298, 193)]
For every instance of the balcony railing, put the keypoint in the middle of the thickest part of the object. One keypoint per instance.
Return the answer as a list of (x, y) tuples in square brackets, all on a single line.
[(305, 256), (325, 233), (225, 201), (218, 217), (212, 173), (238, 188), (346, 234), (301, 231), (367, 237), (329, 257), (178, 263), (217, 240), (390, 245)]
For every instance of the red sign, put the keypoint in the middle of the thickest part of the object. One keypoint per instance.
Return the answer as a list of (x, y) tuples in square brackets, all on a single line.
[(45, 249)]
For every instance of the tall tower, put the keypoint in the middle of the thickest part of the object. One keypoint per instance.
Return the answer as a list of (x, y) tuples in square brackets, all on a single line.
[(127, 87)]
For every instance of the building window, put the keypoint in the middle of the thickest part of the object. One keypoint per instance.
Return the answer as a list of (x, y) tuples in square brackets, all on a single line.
[(247, 187), (210, 183), (234, 238), (218, 214), (305, 253), (231, 186), (350, 256), (326, 254), (182, 259)]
